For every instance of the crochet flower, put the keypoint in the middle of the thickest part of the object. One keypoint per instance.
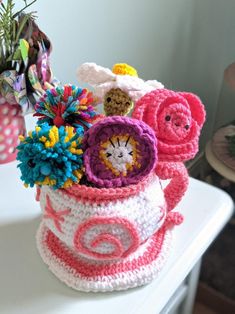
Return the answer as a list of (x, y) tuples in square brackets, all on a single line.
[(176, 118), (117, 102), (51, 156), (67, 105), (119, 151), (118, 89)]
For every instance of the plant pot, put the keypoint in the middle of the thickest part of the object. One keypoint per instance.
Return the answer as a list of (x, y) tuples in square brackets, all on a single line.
[(12, 125), (104, 239)]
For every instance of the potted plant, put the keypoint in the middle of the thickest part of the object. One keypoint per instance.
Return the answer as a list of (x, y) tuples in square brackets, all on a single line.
[(24, 72)]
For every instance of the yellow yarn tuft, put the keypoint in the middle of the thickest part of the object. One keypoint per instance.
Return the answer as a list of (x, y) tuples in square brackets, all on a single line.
[(53, 136), (124, 69), (68, 183), (46, 181), (21, 138), (38, 129), (70, 132), (75, 151), (43, 139), (73, 144), (78, 173)]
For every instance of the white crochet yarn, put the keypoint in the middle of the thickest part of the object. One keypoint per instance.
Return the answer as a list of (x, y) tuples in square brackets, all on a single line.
[(145, 211), (103, 79), (94, 74)]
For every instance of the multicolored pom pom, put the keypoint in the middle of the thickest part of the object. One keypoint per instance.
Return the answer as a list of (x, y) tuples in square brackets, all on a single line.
[(51, 156), (66, 105)]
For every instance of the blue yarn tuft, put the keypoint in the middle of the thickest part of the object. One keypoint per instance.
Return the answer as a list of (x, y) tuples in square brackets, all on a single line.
[(40, 164)]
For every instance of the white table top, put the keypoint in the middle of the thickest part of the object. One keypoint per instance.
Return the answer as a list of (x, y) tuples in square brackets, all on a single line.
[(27, 286), (218, 165)]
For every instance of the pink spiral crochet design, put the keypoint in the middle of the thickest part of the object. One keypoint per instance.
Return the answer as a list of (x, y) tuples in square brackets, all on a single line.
[(176, 118), (106, 237)]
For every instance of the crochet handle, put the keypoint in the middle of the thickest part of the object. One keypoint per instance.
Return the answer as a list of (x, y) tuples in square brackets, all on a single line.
[(178, 174)]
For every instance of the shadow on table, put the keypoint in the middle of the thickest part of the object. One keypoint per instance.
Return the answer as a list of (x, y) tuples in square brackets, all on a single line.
[(26, 284)]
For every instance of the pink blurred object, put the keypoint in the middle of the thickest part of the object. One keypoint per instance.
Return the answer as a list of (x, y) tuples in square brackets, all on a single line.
[(12, 125)]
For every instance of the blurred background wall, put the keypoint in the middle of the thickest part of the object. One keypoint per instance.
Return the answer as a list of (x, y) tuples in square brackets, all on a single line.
[(186, 44)]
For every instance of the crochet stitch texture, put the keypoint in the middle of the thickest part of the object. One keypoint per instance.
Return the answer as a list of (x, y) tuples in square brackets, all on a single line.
[(124, 77), (117, 103), (176, 118), (102, 242), (119, 151)]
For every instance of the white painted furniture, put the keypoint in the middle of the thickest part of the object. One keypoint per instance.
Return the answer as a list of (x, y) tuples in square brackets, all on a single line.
[(218, 165), (28, 287)]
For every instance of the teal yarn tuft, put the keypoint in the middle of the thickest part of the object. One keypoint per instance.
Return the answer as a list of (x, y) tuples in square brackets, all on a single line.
[(51, 156)]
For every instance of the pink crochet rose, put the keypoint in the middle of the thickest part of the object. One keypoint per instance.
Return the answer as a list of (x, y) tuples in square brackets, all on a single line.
[(176, 118)]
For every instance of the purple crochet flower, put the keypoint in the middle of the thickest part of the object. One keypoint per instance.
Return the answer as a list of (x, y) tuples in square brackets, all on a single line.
[(119, 151)]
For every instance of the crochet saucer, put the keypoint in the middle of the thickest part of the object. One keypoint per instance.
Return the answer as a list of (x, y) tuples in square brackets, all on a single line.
[(82, 274)]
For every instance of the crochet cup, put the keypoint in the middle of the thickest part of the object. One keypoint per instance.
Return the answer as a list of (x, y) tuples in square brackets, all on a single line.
[(105, 239)]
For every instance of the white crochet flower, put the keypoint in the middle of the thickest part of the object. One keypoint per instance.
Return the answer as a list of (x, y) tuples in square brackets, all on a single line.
[(103, 80)]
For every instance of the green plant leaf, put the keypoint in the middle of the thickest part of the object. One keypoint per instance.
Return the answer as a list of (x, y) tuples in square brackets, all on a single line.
[(22, 25), (11, 31), (24, 49)]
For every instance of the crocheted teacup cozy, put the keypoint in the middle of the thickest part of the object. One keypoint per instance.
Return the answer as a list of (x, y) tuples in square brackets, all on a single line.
[(117, 234), (117, 89), (176, 118), (105, 239), (119, 151)]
